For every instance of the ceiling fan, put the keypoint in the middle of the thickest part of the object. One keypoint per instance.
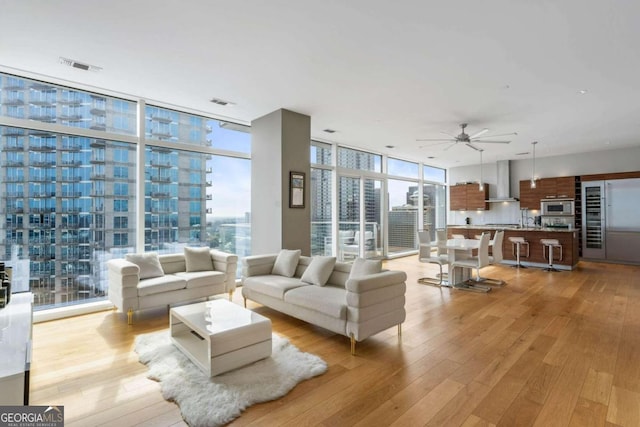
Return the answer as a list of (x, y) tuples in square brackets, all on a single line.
[(468, 140)]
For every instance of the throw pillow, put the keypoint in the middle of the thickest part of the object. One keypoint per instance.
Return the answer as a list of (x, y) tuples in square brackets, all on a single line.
[(286, 262), (319, 270), (362, 267), (198, 259), (149, 264)]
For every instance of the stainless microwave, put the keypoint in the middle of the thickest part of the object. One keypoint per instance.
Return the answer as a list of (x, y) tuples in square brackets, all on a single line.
[(557, 207)]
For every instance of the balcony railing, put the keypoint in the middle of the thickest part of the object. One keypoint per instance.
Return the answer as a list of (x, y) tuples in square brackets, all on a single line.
[(161, 164), (38, 147)]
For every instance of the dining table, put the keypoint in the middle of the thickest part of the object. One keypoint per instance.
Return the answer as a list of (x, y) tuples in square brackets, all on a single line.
[(458, 249)]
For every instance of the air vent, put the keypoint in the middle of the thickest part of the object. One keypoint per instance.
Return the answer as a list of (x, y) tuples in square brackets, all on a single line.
[(79, 65), (221, 101)]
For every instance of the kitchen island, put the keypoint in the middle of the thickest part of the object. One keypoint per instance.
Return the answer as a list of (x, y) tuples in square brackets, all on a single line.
[(568, 238)]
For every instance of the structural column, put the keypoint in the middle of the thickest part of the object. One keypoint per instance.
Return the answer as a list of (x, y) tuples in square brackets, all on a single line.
[(280, 144)]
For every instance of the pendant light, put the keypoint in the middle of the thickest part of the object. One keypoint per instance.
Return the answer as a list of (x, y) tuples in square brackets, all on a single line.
[(481, 185), (533, 168)]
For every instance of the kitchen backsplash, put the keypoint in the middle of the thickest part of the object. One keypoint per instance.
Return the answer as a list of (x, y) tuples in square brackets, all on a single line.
[(500, 213)]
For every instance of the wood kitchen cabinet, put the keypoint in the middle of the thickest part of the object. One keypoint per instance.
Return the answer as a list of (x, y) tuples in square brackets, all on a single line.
[(458, 197), (566, 187), (546, 188), (529, 197), (465, 197)]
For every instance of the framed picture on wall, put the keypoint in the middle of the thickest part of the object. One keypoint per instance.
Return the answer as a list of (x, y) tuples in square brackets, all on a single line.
[(296, 189)]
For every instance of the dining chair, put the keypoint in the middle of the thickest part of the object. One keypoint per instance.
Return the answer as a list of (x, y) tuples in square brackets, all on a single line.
[(426, 255), (496, 257), (475, 262)]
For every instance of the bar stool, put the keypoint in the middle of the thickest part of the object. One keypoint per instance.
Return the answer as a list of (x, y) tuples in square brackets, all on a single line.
[(550, 243), (516, 243)]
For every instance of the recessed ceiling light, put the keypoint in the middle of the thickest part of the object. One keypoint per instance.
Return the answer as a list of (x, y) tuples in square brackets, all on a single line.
[(390, 146), (582, 91), (522, 154), (79, 65), (222, 102), (327, 130), (430, 157)]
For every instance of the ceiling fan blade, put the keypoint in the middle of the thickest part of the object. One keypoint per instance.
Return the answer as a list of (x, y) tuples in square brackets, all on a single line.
[(491, 142), (468, 144), (436, 139), (450, 146), (494, 136), (448, 134), (477, 134), (433, 145)]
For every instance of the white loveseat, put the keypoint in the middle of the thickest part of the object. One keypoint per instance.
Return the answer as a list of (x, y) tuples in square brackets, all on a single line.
[(143, 281), (354, 305)]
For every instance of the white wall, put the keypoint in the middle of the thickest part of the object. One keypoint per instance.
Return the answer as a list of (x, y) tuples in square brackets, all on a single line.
[(620, 160)]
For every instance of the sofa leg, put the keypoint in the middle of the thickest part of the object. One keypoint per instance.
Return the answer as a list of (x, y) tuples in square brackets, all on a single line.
[(130, 316), (245, 302), (399, 330), (230, 295), (353, 346)]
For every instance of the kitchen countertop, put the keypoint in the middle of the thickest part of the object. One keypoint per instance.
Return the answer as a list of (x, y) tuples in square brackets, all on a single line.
[(512, 227)]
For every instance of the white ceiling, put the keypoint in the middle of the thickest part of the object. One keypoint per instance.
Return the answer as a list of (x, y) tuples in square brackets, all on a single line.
[(379, 72)]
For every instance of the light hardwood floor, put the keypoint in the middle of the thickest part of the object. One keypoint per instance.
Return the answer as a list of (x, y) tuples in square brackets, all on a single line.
[(548, 349)]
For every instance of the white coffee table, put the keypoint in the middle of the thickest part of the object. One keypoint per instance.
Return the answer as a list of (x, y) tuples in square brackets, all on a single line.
[(219, 336)]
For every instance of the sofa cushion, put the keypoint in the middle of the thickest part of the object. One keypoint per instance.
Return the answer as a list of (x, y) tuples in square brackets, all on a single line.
[(198, 259), (272, 285), (286, 262), (198, 279), (158, 285), (319, 270), (149, 264), (363, 267), (329, 300)]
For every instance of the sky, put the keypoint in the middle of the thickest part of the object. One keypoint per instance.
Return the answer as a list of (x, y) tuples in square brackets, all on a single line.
[(231, 176)]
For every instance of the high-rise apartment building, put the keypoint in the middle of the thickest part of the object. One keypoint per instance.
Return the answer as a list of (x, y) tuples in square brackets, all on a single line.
[(68, 200)]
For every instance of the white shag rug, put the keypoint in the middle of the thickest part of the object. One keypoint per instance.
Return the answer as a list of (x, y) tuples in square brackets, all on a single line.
[(215, 401)]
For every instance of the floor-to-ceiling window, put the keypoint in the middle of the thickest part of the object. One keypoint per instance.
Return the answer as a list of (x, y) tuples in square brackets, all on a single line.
[(69, 182), (359, 204), (378, 212), (434, 204), (321, 199), (404, 205)]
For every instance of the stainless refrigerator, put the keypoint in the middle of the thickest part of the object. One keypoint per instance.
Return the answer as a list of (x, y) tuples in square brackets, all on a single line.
[(611, 220)]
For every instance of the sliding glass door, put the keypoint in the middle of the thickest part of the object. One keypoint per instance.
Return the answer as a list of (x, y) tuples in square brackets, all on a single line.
[(360, 231), (402, 216)]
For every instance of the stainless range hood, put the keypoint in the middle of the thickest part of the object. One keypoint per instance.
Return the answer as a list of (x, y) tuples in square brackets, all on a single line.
[(503, 183)]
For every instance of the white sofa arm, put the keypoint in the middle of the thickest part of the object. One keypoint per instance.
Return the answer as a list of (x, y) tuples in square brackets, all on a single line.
[(375, 302), (124, 277), (126, 273), (376, 281), (228, 264), (258, 265)]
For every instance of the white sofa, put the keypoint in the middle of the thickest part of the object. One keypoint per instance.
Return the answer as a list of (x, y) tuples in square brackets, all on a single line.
[(356, 307), (153, 280)]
